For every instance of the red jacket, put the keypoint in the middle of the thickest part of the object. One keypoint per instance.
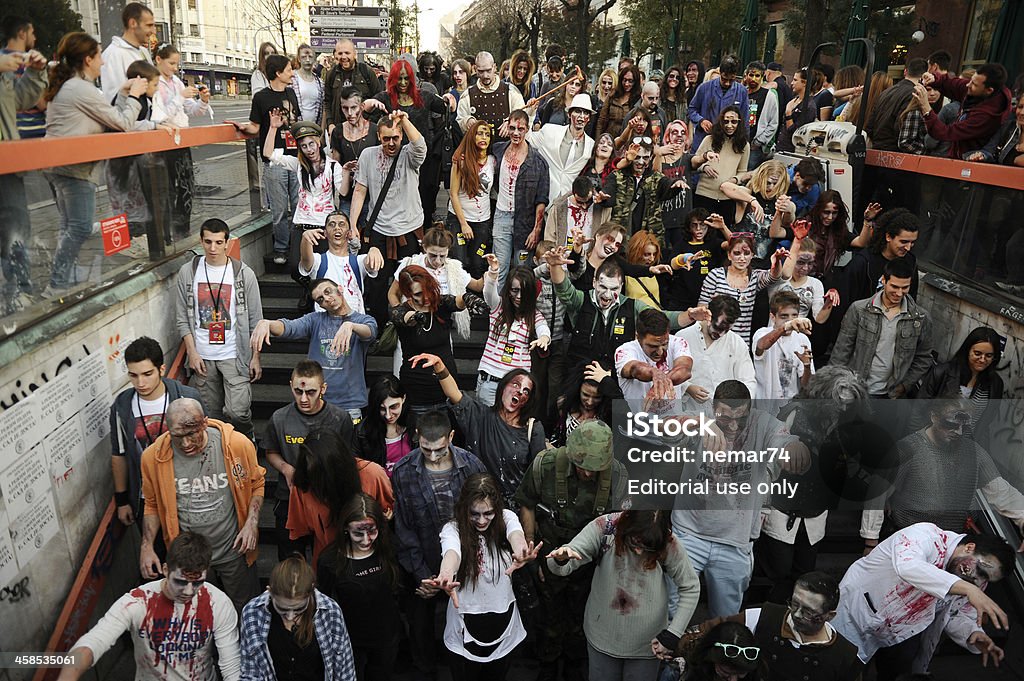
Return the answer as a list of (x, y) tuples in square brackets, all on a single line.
[(975, 123)]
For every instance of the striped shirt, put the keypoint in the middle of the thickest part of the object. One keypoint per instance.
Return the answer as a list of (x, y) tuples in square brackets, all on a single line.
[(507, 349), (716, 283)]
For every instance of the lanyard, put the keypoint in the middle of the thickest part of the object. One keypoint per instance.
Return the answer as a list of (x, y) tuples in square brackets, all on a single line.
[(216, 297), (163, 414)]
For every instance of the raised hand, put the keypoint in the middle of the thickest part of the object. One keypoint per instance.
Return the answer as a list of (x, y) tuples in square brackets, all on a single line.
[(778, 256), (804, 356), (540, 343), (556, 257), (872, 211), (801, 324), (276, 118), (701, 313), (595, 372), (528, 555), (832, 298), (564, 554), (801, 228), (426, 361), (493, 265), (446, 584)]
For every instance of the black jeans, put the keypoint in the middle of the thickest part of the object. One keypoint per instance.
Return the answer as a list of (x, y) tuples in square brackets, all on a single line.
[(375, 663)]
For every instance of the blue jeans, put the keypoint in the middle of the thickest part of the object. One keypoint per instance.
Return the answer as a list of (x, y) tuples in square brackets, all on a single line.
[(486, 391), (15, 230), (76, 203), (757, 157), (501, 234), (726, 571), (282, 187)]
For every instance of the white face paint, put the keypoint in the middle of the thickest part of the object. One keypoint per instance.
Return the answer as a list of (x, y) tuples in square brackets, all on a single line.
[(607, 290)]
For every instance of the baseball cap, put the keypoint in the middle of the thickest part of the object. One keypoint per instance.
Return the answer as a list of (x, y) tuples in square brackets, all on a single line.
[(590, 446)]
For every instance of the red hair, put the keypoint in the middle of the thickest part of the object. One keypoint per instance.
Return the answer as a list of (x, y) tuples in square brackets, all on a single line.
[(392, 84), (431, 290)]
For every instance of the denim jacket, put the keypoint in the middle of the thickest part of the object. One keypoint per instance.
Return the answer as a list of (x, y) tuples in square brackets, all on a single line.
[(417, 523), (858, 338)]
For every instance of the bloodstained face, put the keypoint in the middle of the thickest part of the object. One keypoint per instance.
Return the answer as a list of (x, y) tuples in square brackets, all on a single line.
[(517, 393), (977, 568), (362, 534), (181, 586), (655, 347), (308, 392)]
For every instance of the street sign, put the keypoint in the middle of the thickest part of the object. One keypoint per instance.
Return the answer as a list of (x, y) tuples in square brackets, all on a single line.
[(315, 31), (115, 234), (369, 28), (376, 45)]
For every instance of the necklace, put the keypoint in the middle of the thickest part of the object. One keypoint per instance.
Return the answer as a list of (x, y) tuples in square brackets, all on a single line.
[(163, 414)]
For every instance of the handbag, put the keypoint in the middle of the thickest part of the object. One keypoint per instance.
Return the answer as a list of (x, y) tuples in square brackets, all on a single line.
[(386, 341)]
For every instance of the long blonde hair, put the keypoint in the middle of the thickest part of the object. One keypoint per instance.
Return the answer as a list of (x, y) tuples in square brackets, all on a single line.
[(759, 180), (880, 82), (294, 578)]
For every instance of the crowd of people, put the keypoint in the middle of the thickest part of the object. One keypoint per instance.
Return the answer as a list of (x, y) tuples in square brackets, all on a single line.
[(627, 238)]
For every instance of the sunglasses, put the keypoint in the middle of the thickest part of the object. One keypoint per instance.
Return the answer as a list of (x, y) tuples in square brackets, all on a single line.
[(642, 140), (733, 651), (742, 235)]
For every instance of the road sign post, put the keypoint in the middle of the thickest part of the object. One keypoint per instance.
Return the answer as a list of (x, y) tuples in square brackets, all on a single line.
[(369, 28)]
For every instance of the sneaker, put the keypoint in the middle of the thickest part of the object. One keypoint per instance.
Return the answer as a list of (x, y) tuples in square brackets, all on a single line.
[(280, 258)]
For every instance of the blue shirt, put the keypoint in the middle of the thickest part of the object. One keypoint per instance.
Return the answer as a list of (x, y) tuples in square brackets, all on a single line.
[(803, 202), (708, 102), (345, 374)]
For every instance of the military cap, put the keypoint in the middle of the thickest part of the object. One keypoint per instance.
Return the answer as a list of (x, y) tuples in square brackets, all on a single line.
[(306, 129), (590, 446)]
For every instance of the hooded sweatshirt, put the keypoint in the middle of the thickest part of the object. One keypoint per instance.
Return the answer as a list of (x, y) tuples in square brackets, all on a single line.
[(978, 120), (245, 479)]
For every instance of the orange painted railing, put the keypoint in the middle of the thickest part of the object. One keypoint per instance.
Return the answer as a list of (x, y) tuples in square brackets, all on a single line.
[(39, 154), (978, 173)]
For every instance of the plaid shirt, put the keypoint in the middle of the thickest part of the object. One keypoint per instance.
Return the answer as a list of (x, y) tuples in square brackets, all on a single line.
[(912, 131), (328, 625)]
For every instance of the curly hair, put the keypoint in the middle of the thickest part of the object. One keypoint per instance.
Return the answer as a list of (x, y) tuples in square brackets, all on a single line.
[(718, 136), (638, 243)]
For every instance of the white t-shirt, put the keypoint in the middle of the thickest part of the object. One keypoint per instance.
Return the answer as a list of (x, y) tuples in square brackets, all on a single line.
[(172, 641), (492, 593), (309, 96), (340, 270), (778, 369), (150, 421), (507, 188), (478, 208), (214, 292), (633, 390), (811, 294)]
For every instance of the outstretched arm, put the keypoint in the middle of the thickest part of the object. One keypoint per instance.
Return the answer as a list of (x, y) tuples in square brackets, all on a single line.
[(448, 383)]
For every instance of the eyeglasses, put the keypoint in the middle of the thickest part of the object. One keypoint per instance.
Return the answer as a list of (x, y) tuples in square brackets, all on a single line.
[(742, 235), (795, 608), (733, 651), (642, 140)]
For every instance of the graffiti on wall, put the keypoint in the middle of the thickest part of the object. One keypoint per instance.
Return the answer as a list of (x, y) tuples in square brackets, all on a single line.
[(23, 388)]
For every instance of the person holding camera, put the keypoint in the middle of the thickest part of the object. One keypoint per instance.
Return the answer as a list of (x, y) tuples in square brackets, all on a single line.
[(565, 489)]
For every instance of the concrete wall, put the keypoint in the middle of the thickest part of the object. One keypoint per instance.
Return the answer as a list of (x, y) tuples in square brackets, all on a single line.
[(40, 555)]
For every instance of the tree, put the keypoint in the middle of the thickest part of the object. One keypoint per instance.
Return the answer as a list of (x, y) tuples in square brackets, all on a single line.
[(279, 15), (495, 27), (399, 18), (811, 22), (706, 27), (50, 18), (582, 14)]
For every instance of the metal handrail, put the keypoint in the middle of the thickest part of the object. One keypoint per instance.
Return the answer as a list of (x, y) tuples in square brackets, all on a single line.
[(21, 156)]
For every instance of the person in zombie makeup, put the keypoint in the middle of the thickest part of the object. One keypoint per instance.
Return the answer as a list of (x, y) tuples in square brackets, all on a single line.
[(797, 636), (923, 581), (308, 87), (174, 623), (360, 572), (505, 436), (287, 430), (639, 562), (603, 318), (482, 546), (427, 482), (294, 626), (202, 476)]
